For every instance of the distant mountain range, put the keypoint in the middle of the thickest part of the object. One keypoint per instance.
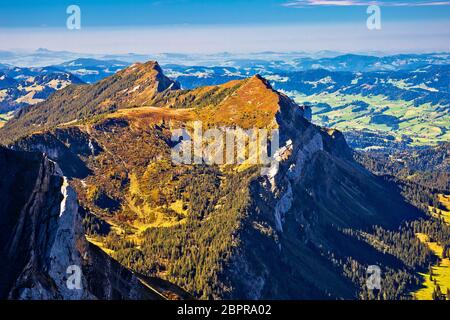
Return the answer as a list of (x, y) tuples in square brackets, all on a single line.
[(383, 102), (26, 86), (426, 84), (21, 86), (92, 70), (293, 61), (44, 57), (406, 107)]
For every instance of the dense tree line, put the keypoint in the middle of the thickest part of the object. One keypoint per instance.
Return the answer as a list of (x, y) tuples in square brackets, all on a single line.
[(192, 254), (436, 229), (402, 244), (428, 168)]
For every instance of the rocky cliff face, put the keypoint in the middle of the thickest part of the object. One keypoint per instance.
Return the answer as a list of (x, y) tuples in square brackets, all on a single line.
[(217, 231), (298, 212), (44, 252)]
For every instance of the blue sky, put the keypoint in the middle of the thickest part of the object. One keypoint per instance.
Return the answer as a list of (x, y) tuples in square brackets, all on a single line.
[(249, 25)]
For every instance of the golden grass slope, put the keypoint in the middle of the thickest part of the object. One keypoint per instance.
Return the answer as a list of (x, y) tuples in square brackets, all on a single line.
[(441, 271)]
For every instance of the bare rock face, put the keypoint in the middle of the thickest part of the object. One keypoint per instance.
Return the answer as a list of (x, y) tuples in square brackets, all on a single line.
[(286, 226), (44, 253)]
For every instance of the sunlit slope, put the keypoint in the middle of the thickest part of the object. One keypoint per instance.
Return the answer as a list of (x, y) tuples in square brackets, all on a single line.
[(423, 124), (218, 231), (440, 275)]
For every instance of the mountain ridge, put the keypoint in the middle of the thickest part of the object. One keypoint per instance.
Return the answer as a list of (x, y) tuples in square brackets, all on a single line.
[(124, 89), (42, 239), (223, 232)]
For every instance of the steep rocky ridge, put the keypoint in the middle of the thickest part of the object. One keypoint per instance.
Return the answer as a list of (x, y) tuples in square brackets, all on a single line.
[(42, 238), (134, 86), (222, 231)]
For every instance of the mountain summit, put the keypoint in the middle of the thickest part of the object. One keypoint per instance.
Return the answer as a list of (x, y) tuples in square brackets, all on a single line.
[(217, 231), (134, 86)]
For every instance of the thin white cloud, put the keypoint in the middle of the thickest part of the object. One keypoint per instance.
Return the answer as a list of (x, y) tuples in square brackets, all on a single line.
[(353, 3)]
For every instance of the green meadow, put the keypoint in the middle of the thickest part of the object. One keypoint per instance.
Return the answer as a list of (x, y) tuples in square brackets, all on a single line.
[(425, 124)]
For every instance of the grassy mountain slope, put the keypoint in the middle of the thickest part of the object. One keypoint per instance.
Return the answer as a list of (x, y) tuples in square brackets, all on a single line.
[(305, 231), (134, 86), (405, 103)]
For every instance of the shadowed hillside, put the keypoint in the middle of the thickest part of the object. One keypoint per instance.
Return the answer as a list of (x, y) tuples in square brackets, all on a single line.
[(307, 230)]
